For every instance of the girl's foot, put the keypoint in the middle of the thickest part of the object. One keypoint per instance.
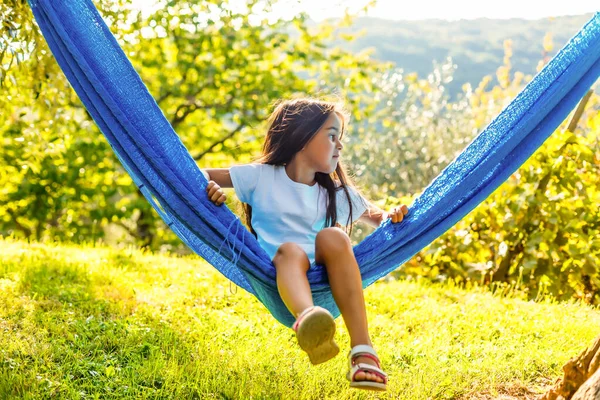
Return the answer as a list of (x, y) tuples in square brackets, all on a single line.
[(367, 376), (365, 370), (315, 330)]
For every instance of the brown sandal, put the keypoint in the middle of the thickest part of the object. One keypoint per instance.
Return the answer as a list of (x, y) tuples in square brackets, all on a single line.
[(315, 330)]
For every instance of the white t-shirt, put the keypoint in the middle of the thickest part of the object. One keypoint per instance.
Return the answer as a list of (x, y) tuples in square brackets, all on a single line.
[(287, 211)]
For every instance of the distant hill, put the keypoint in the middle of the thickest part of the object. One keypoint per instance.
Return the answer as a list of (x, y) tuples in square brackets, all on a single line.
[(476, 46)]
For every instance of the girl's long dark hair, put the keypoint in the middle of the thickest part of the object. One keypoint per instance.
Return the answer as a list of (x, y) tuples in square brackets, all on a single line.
[(292, 125)]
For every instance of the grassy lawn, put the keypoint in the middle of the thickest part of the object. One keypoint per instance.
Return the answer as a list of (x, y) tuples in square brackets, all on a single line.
[(93, 322)]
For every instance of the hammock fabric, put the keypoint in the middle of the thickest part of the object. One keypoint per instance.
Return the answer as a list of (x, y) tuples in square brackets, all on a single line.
[(169, 178)]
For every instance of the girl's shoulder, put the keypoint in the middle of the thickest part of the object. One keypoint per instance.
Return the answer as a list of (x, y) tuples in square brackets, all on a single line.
[(339, 186), (252, 167), (354, 193)]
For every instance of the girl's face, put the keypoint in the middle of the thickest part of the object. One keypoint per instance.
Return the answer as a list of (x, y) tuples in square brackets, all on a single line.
[(323, 150)]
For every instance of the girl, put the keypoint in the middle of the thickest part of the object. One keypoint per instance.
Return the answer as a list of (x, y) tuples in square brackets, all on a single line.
[(295, 197)]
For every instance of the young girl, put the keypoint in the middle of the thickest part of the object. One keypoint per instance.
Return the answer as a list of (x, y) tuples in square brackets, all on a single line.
[(295, 198)]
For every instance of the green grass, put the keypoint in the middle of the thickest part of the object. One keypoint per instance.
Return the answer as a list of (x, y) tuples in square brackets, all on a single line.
[(94, 322)]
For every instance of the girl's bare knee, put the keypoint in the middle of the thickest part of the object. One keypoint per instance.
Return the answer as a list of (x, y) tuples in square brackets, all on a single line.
[(332, 239), (288, 253)]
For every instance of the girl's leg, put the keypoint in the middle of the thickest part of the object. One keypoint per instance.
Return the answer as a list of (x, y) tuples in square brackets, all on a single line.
[(291, 263), (316, 330), (334, 249)]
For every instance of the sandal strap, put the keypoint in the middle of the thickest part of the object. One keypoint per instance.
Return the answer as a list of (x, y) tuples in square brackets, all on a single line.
[(305, 313), (366, 355), (362, 367), (301, 316), (363, 350)]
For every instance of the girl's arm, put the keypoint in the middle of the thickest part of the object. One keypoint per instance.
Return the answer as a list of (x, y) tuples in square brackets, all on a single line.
[(374, 216), (219, 175), (218, 178)]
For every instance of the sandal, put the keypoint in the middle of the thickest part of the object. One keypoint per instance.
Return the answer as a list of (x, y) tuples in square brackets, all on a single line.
[(363, 350), (315, 329)]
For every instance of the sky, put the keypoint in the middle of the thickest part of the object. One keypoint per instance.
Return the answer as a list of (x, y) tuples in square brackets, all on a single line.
[(451, 10), (319, 10)]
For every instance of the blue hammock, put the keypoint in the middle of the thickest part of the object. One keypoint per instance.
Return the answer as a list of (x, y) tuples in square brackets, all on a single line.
[(169, 178)]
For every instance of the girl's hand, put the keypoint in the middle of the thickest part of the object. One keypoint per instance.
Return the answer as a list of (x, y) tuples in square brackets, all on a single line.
[(215, 193), (397, 213)]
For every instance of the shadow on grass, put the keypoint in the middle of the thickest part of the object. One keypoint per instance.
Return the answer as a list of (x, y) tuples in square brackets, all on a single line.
[(75, 341), (52, 280)]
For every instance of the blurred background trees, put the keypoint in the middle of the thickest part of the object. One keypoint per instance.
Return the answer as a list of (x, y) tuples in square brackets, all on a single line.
[(213, 69)]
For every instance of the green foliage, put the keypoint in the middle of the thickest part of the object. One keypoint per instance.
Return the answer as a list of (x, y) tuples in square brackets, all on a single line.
[(213, 68), (22, 47), (539, 231), (415, 132), (59, 179), (94, 322), (16, 35), (216, 70), (417, 128)]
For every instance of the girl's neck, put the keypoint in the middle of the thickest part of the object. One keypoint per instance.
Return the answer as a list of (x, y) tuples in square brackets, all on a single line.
[(300, 173)]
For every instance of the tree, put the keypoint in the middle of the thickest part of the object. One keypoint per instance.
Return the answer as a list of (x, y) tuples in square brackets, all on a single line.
[(215, 71)]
